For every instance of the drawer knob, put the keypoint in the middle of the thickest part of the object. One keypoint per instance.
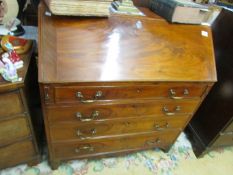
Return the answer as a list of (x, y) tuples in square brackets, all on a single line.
[(159, 127), (82, 99), (88, 148), (169, 113), (172, 94), (82, 136), (151, 143), (92, 117)]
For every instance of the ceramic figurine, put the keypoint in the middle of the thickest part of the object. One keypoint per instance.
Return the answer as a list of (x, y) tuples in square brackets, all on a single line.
[(14, 58), (9, 71)]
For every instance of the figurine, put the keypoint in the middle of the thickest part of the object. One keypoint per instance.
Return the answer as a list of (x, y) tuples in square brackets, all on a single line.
[(9, 72), (14, 58)]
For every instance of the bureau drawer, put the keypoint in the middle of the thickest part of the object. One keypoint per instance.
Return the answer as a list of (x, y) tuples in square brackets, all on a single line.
[(107, 111), (16, 153), (10, 104), (80, 149), (225, 139), (94, 130), (11, 130), (87, 94)]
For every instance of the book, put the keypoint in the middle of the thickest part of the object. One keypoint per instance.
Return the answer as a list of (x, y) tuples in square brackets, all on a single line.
[(179, 11), (79, 7), (228, 4), (125, 7), (213, 13)]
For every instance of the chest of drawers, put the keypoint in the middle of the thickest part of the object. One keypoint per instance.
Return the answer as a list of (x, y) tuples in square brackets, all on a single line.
[(18, 144), (121, 84)]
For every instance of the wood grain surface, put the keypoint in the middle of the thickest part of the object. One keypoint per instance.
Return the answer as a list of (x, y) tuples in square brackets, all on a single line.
[(68, 94), (11, 104), (22, 152), (62, 132), (121, 110), (103, 147), (120, 48), (11, 130)]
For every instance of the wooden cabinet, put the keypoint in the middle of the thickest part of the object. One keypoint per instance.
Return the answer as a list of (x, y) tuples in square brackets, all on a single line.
[(119, 84), (212, 125), (18, 143)]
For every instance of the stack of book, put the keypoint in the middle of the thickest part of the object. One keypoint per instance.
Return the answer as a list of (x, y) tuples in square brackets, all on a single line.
[(79, 7), (180, 11)]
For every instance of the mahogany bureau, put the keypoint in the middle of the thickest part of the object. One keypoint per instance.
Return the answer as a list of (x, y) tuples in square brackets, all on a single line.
[(119, 84), (18, 143)]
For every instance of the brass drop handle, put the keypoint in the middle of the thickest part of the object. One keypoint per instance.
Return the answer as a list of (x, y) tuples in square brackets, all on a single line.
[(82, 99), (82, 135), (159, 127), (84, 148), (172, 94), (92, 117), (169, 113), (150, 143)]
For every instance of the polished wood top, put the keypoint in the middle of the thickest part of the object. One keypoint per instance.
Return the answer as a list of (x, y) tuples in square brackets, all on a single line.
[(122, 49)]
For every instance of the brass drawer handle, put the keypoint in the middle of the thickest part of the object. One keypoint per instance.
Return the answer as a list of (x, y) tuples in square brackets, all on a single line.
[(151, 143), (169, 113), (82, 136), (93, 116), (172, 94), (159, 127), (82, 99), (84, 148)]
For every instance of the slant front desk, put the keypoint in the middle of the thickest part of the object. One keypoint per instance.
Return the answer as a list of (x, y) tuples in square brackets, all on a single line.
[(119, 84)]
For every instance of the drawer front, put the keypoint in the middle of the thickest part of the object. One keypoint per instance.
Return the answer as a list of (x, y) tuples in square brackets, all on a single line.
[(10, 104), (85, 94), (94, 147), (13, 129), (224, 140), (110, 111), (17, 153), (94, 130)]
